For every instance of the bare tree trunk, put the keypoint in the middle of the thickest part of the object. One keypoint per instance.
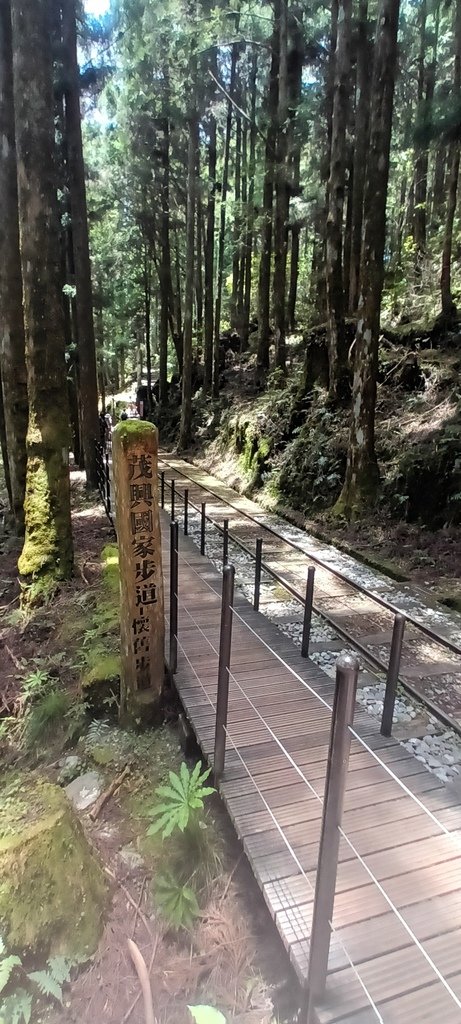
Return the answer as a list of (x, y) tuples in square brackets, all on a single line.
[(86, 340), (237, 232), (338, 374), (438, 185), (47, 555), (282, 198), (209, 243), (12, 346), (362, 474), (147, 276), (4, 448), (295, 70), (448, 306), (185, 429), (165, 257), (199, 253), (362, 125), (222, 224), (264, 286), (250, 218)]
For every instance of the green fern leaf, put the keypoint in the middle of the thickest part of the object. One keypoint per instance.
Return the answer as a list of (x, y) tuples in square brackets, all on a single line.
[(16, 1009), (7, 966), (47, 984), (175, 783), (60, 968), (206, 1015)]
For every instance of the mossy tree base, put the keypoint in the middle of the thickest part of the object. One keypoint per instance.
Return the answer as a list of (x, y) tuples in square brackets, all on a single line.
[(52, 889)]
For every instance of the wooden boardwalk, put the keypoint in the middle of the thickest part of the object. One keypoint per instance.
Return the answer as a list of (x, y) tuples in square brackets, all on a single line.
[(399, 865)]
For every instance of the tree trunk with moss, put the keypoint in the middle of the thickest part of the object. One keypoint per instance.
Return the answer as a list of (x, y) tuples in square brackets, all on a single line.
[(12, 353), (47, 555), (88, 389), (362, 475)]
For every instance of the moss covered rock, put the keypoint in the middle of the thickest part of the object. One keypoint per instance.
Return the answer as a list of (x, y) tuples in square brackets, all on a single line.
[(52, 889)]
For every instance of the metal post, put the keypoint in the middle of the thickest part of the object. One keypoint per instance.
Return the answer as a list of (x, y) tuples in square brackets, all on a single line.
[(308, 601), (222, 698), (225, 543), (162, 489), (172, 498), (347, 670), (392, 675), (173, 596), (186, 511), (258, 560), (202, 528), (108, 484)]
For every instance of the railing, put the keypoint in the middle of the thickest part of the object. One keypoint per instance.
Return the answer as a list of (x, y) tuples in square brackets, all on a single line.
[(104, 482), (306, 600), (332, 830)]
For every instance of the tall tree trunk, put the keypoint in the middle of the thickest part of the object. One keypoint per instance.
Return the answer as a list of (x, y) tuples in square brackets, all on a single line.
[(209, 242), (185, 429), (264, 285), (250, 215), (448, 306), (438, 186), (338, 374), (419, 213), (362, 474), (222, 223), (362, 125), (165, 262), (199, 252), (282, 199), (86, 340), (147, 282), (4, 448), (295, 71), (175, 303), (12, 351), (237, 232), (47, 555)]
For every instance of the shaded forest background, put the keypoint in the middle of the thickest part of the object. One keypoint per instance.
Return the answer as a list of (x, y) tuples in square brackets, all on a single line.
[(258, 229)]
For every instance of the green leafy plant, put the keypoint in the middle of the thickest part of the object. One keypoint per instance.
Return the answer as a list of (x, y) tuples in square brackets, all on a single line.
[(16, 1007), (181, 801), (44, 715), (206, 1015), (177, 901)]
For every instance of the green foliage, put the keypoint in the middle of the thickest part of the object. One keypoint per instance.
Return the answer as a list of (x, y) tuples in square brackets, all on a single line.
[(47, 713), (16, 1007), (177, 901), (180, 801), (206, 1015)]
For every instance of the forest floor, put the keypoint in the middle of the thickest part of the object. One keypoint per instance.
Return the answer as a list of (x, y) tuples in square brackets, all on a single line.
[(232, 957), (289, 454)]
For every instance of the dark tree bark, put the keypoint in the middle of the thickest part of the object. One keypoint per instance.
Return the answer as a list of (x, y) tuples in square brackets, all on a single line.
[(12, 348), (362, 474), (448, 306), (237, 232), (209, 243), (282, 198), (199, 252), (250, 215), (185, 429), (147, 288), (438, 186), (426, 86), (338, 374), (86, 340), (4, 448), (264, 284), (47, 555), (362, 125), (165, 255), (295, 70), (222, 223)]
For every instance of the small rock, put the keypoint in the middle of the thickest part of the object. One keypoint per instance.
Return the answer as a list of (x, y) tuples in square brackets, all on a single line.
[(131, 858), (84, 791), (70, 767)]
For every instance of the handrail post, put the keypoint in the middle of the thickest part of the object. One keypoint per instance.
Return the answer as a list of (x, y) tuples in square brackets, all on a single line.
[(109, 508), (173, 596), (186, 511), (172, 498), (258, 561), (225, 543), (392, 675), (347, 670), (222, 697), (202, 528), (308, 602), (162, 489)]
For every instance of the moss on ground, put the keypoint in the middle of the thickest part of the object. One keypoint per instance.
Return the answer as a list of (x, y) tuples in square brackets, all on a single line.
[(52, 889)]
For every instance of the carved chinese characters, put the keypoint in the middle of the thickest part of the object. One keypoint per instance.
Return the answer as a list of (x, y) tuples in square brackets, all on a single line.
[(141, 581)]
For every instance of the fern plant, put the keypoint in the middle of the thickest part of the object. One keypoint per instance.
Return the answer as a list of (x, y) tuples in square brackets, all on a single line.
[(16, 1008), (206, 1015), (181, 801), (177, 902)]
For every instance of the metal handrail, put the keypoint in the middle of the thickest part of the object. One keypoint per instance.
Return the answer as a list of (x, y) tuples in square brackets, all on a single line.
[(445, 642)]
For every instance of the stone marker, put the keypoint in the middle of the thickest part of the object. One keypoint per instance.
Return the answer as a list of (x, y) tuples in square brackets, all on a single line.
[(142, 626)]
